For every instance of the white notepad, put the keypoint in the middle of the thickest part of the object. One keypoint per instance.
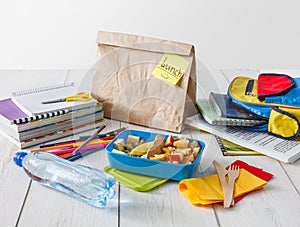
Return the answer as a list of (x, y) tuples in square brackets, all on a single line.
[(30, 101)]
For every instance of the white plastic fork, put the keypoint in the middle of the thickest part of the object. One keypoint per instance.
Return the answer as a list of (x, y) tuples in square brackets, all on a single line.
[(233, 174)]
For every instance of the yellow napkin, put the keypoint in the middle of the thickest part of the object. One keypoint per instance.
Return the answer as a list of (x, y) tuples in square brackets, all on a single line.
[(208, 190)]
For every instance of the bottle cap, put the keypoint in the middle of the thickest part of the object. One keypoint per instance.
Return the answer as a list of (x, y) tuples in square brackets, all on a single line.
[(18, 158)]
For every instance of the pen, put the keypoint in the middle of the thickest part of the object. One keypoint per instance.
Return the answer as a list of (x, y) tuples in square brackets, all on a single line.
[(59, 143), (111, 133), (89, 139), (71, 150), (80, 154)]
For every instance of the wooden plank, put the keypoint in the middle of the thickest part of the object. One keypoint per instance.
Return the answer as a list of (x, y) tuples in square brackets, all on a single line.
[(13, 184), (162, 206), (269, 206), (278, 203), (211, 152), (292, 170), (66, 210)]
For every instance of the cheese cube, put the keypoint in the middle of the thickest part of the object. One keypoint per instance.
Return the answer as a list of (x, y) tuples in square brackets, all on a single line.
[(183, 143), (119, 144), (194, 144), (133, 139), (196, 151), (118, 151)]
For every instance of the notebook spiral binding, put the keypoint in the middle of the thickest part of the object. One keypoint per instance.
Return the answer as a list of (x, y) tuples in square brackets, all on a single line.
[(41, 89), (39, 117), (37, 90), (221, 145)]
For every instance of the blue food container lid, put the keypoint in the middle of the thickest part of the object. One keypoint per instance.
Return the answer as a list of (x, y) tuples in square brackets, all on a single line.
[(150, 167)]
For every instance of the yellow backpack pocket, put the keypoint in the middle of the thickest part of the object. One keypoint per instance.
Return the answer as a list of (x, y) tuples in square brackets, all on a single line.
[(284, 122)]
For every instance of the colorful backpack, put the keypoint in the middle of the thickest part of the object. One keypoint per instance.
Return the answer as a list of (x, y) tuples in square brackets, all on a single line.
[(275, 97)]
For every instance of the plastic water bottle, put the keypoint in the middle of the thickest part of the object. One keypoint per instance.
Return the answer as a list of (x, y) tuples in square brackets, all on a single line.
[(88, 184)]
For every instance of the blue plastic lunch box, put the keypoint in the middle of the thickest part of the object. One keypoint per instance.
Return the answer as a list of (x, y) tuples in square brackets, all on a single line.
[(150, 167)]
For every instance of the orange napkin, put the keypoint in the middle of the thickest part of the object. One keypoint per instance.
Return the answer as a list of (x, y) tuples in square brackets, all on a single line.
[(208, 190)]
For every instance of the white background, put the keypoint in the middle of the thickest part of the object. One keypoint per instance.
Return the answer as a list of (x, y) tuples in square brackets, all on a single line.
[(61, 34)]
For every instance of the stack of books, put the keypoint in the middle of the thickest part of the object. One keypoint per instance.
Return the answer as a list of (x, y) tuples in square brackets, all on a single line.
[(27, 121), (219, 110)]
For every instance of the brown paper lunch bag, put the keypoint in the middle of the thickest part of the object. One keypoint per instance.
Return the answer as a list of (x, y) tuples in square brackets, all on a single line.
[(123, 81)]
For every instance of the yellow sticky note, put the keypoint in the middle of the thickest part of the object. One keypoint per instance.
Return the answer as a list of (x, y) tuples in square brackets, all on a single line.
[(171, 68)]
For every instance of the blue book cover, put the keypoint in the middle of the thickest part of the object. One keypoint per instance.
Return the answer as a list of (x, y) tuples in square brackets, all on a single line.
[(225, 108)]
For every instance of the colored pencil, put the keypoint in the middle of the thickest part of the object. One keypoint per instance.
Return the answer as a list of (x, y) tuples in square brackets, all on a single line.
[(70, 142), (81, 154), (70, 150), (89, 139), (112, 133), (66, 145)]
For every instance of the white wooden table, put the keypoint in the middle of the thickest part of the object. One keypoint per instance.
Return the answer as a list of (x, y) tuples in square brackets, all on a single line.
[(26, 203)]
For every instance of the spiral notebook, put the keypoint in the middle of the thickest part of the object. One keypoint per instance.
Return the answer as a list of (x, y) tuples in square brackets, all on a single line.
[(210, 115), (30, 100), (229, 148), (11, 114)]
